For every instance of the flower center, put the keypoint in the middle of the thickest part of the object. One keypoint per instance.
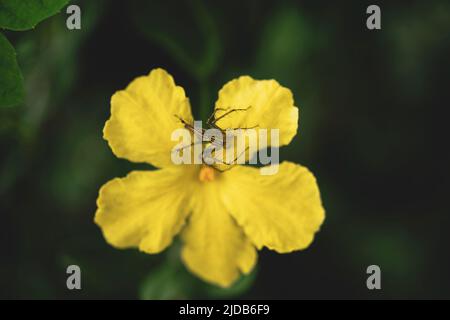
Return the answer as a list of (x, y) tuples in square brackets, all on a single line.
[(206, 174)]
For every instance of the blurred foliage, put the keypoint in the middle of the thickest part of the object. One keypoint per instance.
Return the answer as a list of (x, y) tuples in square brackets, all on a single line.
[(18, 15), (11, 81), (25, 14), (372, 129), (166, 282), (171, 280), (193, 41)]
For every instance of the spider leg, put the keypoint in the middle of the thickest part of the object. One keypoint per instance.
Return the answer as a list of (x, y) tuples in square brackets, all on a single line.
[(221, 170), (232, 161), (231, 166), (211, 117), (180, 118), (228, 113), (190, 145), (245, 128)]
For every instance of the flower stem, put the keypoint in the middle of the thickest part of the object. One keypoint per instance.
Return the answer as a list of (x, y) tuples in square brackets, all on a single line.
[(205, 100)]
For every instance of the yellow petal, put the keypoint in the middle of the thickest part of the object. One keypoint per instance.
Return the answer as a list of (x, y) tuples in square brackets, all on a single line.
[(142, 118), (281, 211), (146, 209), (271, 107), (215, 248)]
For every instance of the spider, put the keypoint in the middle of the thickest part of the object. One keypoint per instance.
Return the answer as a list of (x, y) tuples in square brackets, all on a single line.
[(219, 142)]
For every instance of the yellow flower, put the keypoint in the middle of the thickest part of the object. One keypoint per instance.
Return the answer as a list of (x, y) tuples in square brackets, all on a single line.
[(222, 217)]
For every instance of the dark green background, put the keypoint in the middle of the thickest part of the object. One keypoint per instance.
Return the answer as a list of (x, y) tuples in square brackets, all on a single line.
[(373, 129)]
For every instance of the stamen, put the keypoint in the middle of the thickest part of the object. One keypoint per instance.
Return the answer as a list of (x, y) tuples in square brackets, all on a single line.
[(206, 174)]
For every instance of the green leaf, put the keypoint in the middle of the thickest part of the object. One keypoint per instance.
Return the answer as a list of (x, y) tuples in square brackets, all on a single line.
[(166, 282), (237, 289), (11, 80), (25, 14)]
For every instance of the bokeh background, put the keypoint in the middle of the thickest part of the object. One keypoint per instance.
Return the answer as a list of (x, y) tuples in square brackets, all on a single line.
[(373, 129)]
